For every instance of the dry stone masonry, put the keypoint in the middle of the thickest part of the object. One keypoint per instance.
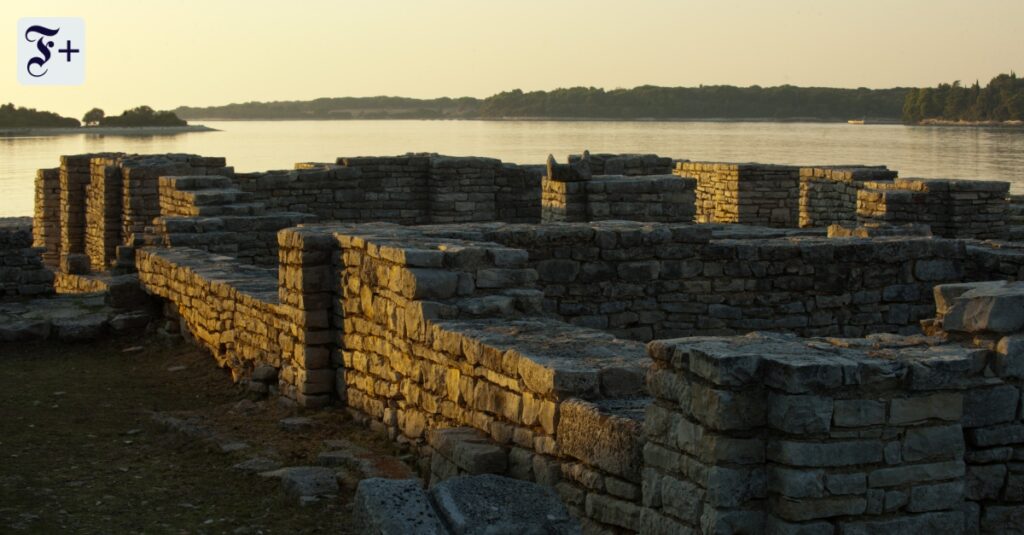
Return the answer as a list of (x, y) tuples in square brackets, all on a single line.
[(491, 317), (22, 273), (952, 208)]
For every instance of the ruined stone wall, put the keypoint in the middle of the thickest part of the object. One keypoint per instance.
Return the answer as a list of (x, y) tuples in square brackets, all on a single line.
[(46, 227), (658, 281), (987, 316), (747, 193), (952, 208), (209, 213), (103, 211), (573, 193), (246, 319), (625, 164), (410, 189), (95, 202), (828, 195), (22, 273), (769, 433)]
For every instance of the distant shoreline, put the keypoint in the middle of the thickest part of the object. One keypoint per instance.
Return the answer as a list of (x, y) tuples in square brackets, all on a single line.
[(104, 130), (995, 124), (564, 119)]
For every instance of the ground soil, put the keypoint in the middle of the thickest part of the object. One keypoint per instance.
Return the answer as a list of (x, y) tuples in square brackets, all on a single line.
[(80, 450)]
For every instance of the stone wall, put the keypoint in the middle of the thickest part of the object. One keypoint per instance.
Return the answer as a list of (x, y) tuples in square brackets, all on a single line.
[(625, 164), (952, 208), (648, 281), (828, 195), (207, 212), (746, 193), (268, 328), (987, 315), (46, 227), (770, 433), (409, 189), (22, 273), (94, 203), (573, 193)]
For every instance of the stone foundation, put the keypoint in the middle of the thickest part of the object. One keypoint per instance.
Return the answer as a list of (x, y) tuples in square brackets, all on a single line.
[(952, 208), (22, 273)]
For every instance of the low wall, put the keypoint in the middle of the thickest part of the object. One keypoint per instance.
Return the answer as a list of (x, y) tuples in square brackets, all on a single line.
[(952, 208), (22, 273), (746, 193), (574, 193), (625, 164), (209, 213), (648, 281), (828, 195), (409, 189)]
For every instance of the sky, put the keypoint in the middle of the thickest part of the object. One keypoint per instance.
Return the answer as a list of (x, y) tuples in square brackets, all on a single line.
[(199, 53)]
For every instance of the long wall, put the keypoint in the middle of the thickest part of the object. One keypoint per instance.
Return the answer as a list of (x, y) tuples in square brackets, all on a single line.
[(426, 329)]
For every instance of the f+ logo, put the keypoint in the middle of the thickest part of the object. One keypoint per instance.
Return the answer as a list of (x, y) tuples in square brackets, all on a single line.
[(39, 40)]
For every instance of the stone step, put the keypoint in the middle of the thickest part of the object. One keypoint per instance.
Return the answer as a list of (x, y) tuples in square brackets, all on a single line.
[(191, 183), (214, 197), (229, 209)]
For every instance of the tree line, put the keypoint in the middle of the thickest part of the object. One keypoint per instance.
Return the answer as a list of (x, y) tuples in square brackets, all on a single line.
[(705, 102), (12, 116), (1001, 100)]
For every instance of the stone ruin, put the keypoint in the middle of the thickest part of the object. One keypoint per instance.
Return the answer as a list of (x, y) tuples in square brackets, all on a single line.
[(672, 346)]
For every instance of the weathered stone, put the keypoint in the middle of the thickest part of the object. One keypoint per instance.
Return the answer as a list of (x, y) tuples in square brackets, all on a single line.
[(395, 507), (490, 504)]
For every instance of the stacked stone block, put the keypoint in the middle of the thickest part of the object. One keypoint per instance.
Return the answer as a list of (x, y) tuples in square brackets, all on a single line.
[(989, 315), (649, 281), (103, 212), (22, 273), (564, 191), (46, 227), (233, 311), (570, 194), (952, 208), (828, 195), (207, 212), (773, 434), (625, 164), (746, 193), (307, 283), (75, 175)]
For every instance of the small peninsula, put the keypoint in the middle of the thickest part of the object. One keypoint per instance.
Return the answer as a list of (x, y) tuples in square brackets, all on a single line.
[(17, 121)]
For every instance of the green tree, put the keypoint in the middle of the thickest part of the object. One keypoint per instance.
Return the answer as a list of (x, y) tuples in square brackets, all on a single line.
[(93, 117)]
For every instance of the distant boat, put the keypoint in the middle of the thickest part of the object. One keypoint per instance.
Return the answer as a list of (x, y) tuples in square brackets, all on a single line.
[(855, 121)]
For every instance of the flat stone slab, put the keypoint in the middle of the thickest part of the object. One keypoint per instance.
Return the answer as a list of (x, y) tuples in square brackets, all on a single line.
[(306, 481), (486, 504), (996, 307), (395, 507), (69, 317)]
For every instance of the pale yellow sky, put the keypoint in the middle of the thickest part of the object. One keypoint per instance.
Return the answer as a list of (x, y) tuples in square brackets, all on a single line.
[(184, 52)]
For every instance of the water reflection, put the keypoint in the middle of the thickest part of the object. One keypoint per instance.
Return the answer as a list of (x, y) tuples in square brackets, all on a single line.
[(946, 152)]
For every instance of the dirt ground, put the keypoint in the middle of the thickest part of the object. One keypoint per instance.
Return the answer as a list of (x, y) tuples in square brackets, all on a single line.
[(80, 451)]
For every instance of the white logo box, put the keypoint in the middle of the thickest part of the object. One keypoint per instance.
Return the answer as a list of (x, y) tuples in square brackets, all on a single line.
[(63, 60)]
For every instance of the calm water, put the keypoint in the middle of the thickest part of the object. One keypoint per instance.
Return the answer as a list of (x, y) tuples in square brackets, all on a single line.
[(986, 153)]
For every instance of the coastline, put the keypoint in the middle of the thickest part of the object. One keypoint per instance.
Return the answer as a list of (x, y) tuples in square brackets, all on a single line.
[(568, 119), (105, 131), (993, 124)]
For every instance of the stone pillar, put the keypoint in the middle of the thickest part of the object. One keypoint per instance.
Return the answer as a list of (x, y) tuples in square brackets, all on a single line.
[(46, 227), (103, 212), (74, 176), (306, 279), (564, 190)]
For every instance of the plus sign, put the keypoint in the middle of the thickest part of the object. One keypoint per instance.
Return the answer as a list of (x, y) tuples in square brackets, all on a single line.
[(68, 50)]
